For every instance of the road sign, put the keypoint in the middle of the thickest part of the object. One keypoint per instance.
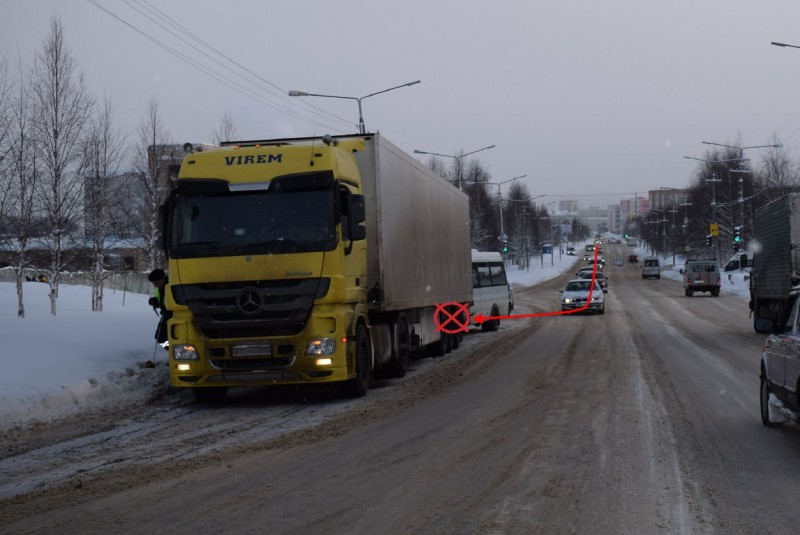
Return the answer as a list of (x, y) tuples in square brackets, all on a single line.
[(713, 229)]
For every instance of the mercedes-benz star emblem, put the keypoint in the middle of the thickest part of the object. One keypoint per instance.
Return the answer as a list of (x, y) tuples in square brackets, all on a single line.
[(249, 301)]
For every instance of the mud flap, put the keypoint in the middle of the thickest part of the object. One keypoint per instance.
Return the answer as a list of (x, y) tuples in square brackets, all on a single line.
[(777, 412)]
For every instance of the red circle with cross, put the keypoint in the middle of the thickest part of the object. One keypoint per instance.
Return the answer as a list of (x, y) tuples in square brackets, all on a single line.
[(446, 317)]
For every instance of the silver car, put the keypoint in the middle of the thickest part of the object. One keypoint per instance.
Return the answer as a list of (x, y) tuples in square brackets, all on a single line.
[(780, 368), (580, 295)]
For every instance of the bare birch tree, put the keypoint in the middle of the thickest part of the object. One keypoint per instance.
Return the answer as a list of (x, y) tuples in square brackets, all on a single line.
[(22, 166), (104, 154), (153, 157), (62, 109), (226, 131), (6, 88)]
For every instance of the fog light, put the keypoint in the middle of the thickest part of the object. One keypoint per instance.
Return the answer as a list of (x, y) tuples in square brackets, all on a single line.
[(321, 346), (324, 361), (183, 367)]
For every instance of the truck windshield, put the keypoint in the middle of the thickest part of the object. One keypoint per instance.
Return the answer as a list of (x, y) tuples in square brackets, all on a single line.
[(252, 222)]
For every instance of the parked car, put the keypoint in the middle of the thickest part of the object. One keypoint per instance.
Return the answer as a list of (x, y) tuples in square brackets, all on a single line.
[(780, 367), (576, 294), (618, 261), (701, 276), (600, 277)]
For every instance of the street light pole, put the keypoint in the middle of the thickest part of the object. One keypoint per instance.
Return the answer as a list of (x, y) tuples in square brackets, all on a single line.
[(361, 128), (714, 181), (500, 195), (457, 158), (742, 159)]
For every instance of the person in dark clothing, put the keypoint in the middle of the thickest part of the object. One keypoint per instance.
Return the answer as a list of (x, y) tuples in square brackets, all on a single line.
[(160, 280)]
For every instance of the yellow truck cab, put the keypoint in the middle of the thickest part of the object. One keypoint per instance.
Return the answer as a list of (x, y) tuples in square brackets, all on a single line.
[(284, 267)]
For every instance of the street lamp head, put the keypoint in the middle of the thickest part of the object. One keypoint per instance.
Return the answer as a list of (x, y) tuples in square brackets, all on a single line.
[(294, 93), (511, 179)]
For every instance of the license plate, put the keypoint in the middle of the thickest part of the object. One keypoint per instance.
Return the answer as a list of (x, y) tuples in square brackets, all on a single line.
[(263, 350)]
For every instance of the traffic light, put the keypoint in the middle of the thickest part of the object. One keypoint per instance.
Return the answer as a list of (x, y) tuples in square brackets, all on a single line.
[(708, 240), (737, 238), (505, 246)]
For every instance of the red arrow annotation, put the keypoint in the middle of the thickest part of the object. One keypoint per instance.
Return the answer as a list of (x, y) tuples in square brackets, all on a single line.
[(480, 318)]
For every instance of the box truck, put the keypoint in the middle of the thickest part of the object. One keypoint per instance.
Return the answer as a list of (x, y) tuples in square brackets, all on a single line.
[(776, 261), (311, 260)]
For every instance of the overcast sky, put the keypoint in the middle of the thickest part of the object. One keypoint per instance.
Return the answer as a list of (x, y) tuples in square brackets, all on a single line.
[(591, 99)]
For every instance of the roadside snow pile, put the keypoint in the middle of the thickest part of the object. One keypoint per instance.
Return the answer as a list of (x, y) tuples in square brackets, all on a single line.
[(54, 367)]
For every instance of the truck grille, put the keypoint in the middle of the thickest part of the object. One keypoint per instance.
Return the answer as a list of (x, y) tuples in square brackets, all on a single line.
[(251, 309)]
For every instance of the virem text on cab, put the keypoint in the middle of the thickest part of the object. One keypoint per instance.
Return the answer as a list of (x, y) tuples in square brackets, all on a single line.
[(253, 159)]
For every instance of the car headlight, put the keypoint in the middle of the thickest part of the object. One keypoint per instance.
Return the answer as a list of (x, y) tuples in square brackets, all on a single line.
[(321, 346), (185, 352)]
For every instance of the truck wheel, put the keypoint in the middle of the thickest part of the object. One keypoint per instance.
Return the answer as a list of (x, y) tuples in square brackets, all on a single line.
[(765, 403), (357, 386), (210, 395), (688, 293), (715, 292), (399, 365)]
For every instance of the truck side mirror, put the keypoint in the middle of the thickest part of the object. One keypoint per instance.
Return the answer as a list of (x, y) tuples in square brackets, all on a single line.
[(357, 215)]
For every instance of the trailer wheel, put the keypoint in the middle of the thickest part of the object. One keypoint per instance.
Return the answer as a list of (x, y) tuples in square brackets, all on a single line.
[(399, 365), (357, 386)]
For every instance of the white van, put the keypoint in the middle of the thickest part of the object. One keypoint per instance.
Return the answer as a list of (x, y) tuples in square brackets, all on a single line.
[(740, 262), (490, 288), (651, 268)]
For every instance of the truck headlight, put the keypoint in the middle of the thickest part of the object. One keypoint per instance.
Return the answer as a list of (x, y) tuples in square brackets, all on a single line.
[(185, 352), (567, 300), (321, 346)]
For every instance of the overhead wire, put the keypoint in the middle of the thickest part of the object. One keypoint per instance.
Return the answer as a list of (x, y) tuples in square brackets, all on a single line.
[(214, 74), (280, 94)]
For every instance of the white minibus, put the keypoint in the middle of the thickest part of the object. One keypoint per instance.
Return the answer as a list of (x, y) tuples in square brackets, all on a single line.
[(491, 293)]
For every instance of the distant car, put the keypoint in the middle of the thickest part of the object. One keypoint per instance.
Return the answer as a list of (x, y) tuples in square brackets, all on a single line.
[(633, 259), (570, 251), (575, 295), (600, 277), (651, 268), (586, 269), (701, 276), (618, 261)]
